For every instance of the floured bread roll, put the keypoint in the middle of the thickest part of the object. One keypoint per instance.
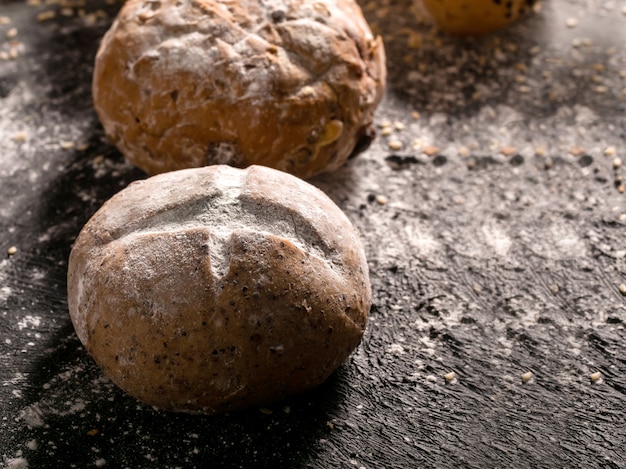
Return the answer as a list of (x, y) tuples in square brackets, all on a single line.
[(476, 17), (213, 289), (289, 84)]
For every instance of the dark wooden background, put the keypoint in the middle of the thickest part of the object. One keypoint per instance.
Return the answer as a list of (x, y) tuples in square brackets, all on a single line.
[(498, 258)]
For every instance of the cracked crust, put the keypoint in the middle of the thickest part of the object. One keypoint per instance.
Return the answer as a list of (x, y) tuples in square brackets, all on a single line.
[(288, 84), (214, 289)]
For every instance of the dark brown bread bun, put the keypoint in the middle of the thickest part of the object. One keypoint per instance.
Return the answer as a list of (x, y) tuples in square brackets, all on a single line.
[(214, 289), (289, 84)]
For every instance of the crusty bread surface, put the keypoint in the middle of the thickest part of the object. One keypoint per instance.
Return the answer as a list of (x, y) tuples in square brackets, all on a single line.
[(289, 84), (214, 289)]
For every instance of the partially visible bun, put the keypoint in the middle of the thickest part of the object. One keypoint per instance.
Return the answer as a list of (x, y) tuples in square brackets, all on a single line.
[(289, 84), (475, 17), (214, 289)]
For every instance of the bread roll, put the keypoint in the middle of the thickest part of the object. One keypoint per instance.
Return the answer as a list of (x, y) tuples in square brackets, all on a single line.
[(475, 17), (289, 84), (213, 289)]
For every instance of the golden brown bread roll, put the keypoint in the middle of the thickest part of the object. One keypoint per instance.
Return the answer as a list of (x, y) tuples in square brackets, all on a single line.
[(289, 84), (214, 289), (476, 17)]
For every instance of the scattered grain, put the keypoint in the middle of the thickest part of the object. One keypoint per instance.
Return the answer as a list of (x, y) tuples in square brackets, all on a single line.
[(398, 125), (508, 150), (395, 144), (450, 377), (554, 288), (11, 33), (12, 250), (571, 22), (458, 200), (93, 432), (577, 151), (46, 15), (596, 377), (19, 137), (386, 131), (609, 151), (527, 377), (381, 199), (617, 162), (415, 115), (622, 289), (431, 150), (266, 411), (5, 20), (67, 145)]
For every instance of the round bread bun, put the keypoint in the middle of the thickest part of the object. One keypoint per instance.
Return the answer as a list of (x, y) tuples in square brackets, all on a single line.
[(214, 289), (475, 17), (289, 84)]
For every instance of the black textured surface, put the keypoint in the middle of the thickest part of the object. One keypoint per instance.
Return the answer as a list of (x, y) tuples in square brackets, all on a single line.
[(487, 264)]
